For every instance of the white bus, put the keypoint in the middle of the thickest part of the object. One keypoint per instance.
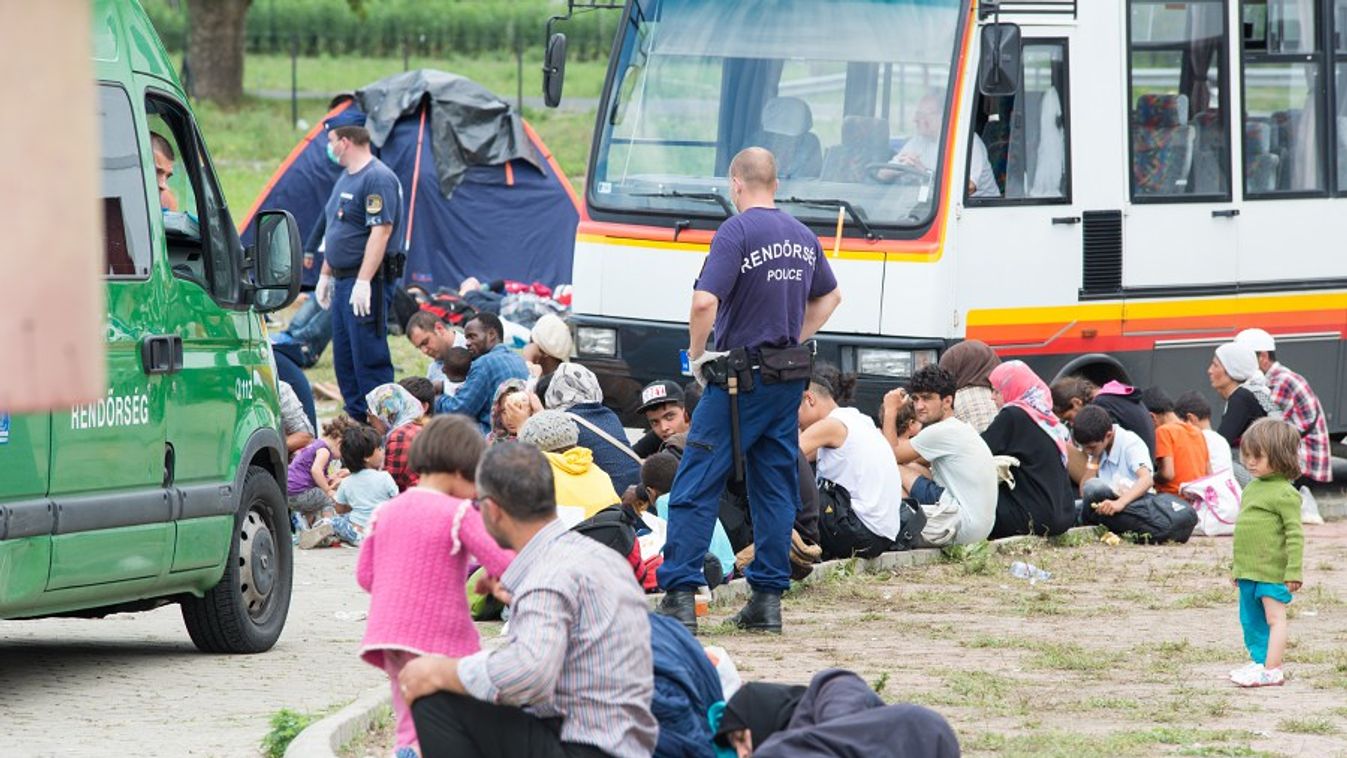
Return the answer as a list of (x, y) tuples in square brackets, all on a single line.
[(1162, 174)]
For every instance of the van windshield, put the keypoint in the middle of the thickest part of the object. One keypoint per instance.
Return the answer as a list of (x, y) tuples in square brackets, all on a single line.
[(850, 95)]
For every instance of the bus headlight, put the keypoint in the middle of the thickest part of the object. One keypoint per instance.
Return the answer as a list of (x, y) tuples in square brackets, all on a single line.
[(876, 361), (593, 340)]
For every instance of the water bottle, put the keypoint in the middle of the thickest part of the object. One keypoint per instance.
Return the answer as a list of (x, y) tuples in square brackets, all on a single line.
[(1022, 570)]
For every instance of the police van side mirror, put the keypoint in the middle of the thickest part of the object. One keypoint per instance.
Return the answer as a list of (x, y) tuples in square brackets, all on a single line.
[(275, 262), (554, 69), (1000, 61)]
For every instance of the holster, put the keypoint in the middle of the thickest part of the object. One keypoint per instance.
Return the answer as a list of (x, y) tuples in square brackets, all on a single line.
[(736, 363)]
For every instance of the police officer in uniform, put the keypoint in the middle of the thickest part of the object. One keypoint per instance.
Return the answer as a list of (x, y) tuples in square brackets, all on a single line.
[(361, 247), (767, 288)]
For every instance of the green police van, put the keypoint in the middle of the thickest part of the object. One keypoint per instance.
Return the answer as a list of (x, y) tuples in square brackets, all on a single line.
[(169, 488)]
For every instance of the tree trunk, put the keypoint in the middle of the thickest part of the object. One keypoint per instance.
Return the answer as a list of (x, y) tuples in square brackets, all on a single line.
[(215, 49)]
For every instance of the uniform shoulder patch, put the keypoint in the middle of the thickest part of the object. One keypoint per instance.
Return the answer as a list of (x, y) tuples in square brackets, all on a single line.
[(374, 203)]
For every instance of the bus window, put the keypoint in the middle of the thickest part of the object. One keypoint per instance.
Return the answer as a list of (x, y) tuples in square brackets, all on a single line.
[(1180, 145), (1283, 148), (1018, 147), (835, 91), (1340, 83)]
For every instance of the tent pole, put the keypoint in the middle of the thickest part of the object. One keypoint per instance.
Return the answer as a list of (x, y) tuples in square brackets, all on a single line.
[(416, 180)]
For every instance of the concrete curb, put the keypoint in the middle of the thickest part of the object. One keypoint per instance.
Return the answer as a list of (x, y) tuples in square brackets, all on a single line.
[(323, 738)]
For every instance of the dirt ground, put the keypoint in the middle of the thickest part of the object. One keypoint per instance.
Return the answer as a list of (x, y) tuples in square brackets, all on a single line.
[(1124, 651)]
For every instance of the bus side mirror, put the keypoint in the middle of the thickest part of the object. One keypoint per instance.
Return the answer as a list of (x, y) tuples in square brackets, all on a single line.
[(554, 69), (1001, 63), (276, 261)]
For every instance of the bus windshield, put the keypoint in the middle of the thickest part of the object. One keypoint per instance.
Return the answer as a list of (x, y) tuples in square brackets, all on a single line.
[(850, 95)]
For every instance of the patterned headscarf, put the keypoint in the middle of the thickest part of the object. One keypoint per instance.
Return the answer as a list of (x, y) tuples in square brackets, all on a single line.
[(1020, 386), (498, 431), (572, 384), (393, 405)]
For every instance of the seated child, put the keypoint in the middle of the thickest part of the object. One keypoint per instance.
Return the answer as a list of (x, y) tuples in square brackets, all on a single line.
[(309, 486), (414, 561), (423, 390), (1195, 409), (456, 367), (367, 488)]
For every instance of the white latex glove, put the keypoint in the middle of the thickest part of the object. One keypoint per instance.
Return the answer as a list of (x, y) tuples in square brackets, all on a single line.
[(696, 364), (360, 298), (323, 292)]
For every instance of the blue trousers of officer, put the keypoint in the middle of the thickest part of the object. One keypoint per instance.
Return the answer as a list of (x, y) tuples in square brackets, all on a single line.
[(769, 437), (359, 346)]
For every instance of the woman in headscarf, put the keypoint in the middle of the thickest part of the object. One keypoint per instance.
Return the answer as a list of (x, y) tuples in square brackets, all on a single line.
[(510, 408), (836, 715), (393, 413), (575, 390), (970, 363), (1235, 376), (1037, 497)]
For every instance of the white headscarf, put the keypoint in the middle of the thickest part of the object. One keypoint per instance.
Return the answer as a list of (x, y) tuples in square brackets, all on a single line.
[(1241, 363), (571, 385)]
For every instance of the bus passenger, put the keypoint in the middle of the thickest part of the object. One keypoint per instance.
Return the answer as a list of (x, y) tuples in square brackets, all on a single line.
[(922, 150)]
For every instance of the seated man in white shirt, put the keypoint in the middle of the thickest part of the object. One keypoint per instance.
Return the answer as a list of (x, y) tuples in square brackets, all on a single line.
[(922, 150)]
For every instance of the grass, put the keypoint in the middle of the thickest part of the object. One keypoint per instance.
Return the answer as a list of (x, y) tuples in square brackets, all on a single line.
[(373, 739), (1309, 725), (1069, 656), (285, 727), (1060, 744)]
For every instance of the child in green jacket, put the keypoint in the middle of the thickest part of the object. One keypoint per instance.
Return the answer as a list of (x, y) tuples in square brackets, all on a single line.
[(1269, 548)]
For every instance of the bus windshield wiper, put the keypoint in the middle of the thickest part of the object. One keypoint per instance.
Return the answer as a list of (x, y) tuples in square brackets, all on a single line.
[(709, 197), (851, 210)]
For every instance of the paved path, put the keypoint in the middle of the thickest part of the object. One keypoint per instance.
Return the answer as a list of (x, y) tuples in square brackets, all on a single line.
[(133, 684)]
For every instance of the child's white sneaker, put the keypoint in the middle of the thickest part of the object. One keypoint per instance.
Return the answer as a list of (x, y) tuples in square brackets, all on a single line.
[(1264, 677), (1246, 670)]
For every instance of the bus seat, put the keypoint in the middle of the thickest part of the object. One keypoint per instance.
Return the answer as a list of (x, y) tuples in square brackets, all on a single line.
[(786, 125), (1162, 145), (1260, 163), (865, 140), (1209, 156), (1285, 130)]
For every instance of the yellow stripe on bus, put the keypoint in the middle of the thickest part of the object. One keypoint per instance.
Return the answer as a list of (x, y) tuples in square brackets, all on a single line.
[(1158, 309)]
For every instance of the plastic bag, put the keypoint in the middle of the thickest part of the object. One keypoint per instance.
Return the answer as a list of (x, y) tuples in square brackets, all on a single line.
[(1216, 500)]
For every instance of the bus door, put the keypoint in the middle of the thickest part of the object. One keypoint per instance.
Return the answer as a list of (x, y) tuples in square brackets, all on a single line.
[(1181, 226), (1019, 230)]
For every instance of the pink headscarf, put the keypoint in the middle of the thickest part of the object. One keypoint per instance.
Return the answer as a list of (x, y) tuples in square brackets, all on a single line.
[(1020, 386)]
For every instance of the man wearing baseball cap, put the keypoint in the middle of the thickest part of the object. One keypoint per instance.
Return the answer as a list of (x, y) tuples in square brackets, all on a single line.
[(665, 409), (1300, 406)]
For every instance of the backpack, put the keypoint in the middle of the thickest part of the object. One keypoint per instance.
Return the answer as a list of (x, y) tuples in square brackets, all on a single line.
[(615, 527), (1153, 518)]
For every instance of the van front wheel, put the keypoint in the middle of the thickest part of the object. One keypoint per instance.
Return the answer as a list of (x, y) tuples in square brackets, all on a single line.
[(246, 611)]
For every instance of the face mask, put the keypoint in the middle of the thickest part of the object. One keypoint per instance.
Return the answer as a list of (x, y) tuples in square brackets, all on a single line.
[(332, 155)]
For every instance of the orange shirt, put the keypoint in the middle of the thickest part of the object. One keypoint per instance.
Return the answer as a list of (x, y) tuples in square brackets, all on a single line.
[(1184, 444)]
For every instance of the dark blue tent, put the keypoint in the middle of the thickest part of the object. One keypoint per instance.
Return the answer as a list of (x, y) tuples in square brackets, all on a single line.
[(484, 196)]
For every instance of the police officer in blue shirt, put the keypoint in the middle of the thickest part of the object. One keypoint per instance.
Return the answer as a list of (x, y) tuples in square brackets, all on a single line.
[(767, 288), (361, 251)]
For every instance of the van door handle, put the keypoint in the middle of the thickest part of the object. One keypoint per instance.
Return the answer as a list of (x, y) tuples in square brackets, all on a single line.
[(1229, 213), (161, 354), (1066, 220)]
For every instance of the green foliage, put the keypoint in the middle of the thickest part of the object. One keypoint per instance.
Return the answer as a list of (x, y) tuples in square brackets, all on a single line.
[(384, 27), (1309, 725), (285, 727), (973, 559), (879, 684)]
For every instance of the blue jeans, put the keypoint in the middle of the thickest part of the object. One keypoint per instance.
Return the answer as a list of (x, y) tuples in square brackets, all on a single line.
[(288, 371), (360, 354), (1252, 616), (925, 491), (768, 422)]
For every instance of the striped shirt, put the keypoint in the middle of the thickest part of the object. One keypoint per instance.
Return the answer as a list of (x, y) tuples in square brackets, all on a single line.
[(578, 646)]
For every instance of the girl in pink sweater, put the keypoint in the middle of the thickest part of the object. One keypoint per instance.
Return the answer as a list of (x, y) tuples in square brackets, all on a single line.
[(414, 561)]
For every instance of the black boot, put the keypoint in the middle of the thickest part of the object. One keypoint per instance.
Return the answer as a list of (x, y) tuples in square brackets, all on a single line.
[(681, 605), (761, 614)]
